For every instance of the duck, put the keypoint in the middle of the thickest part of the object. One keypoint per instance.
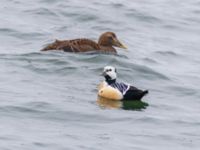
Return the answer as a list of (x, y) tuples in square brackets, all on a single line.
[(113, 90), (106, 43)]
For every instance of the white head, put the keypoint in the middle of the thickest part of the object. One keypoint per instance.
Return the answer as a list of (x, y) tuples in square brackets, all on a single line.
[(110, 72)]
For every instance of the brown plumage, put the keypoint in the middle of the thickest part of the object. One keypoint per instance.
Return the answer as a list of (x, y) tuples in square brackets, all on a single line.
[(105, 44)]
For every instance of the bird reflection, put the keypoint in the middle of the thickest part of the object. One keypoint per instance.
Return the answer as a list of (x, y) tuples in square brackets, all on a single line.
[(126, 105)]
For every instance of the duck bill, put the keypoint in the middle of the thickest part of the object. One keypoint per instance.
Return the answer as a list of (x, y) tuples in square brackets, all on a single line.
[(103, 74), (119, 44)]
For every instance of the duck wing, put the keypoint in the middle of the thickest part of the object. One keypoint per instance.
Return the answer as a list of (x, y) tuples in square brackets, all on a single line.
[(134, 93), (76, 45)]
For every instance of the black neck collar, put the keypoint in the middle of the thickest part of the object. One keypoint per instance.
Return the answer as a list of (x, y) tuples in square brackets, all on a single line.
[(109, 80)]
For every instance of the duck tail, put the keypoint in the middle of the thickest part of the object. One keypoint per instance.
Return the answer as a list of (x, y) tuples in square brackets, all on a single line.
[(51, 46), (45, 49), (145, 92)]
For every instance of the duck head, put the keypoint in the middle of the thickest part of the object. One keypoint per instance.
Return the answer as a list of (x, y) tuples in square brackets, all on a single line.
[(109, 39), (110, 74)]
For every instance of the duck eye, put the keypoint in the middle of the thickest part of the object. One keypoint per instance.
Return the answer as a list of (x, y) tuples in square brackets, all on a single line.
[(110, 37), (108, 70)]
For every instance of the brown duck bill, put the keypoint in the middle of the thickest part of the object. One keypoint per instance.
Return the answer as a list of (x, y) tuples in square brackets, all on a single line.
[(117, 43)]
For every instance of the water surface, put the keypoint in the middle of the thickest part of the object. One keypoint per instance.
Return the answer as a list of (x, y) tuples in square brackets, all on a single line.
[(48, 100)]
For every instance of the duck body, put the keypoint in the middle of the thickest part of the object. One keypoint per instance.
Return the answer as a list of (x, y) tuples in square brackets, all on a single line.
[(105, 44), (120, 91), (113, 90)]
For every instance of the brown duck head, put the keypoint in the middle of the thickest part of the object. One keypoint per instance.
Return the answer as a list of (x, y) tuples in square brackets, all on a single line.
[(109, 39)]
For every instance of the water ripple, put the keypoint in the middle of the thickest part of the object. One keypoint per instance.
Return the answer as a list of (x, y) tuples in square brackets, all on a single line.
[(49, 99)]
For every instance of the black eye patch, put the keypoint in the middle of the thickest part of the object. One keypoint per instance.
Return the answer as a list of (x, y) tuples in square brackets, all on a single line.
[(108, 70)]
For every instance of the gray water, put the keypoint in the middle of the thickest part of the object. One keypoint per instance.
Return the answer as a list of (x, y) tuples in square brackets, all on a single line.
[(48, 100)]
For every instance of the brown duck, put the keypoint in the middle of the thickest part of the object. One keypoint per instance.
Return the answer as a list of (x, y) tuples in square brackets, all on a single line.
[(107, 42)]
